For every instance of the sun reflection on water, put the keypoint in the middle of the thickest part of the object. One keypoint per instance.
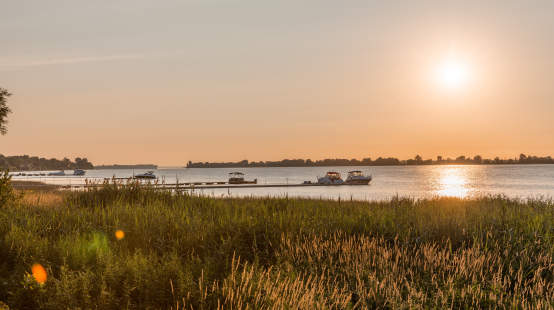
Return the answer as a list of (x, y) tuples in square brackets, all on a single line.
[(453, 182)]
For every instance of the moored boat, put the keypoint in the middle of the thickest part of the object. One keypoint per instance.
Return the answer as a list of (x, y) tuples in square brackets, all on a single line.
[(57, 174), (331, 178), (146, 175), (356, 177), (238, 178), (79, 172)]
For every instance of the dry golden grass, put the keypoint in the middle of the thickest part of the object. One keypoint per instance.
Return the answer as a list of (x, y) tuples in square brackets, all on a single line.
[(130, 247), (356, 272), (42, 198)]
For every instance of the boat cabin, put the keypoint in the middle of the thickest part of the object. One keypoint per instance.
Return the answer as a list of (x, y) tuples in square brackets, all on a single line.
[(332, 175), (355, 173)]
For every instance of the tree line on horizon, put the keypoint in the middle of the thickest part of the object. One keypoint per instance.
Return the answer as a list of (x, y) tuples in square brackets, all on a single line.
[(34, 163), (380, 161)]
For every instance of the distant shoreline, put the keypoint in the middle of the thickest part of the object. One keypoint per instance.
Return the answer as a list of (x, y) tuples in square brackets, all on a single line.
[(400, 165), (389, 161), (141, 166)]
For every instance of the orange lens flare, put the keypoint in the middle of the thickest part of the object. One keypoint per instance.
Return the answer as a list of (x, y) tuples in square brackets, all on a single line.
[(119, 234), (39, 273)]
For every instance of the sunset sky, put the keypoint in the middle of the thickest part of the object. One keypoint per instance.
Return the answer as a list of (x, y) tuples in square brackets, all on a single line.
[(165, 82)]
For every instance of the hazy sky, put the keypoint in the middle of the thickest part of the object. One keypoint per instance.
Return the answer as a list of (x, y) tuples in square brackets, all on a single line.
[(170, 81)]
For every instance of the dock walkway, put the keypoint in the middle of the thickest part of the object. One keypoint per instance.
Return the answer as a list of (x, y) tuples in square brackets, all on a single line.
[(211, 185)]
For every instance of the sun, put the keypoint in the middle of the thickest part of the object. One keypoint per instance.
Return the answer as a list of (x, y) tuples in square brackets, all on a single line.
[(453, 74)]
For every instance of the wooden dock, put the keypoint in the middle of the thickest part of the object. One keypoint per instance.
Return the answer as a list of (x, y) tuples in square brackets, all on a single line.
[(214, 185), (229, 186), (160, 184)]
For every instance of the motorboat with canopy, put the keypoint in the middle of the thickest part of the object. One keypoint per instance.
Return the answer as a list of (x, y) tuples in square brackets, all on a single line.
[(79, 172), (57, 174), (331, 178), (358, 178), (147, 175), (238, 178)]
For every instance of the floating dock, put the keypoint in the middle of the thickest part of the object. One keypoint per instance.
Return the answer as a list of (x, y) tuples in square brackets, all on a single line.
[(229, 186), (213, 185), (157, 184)]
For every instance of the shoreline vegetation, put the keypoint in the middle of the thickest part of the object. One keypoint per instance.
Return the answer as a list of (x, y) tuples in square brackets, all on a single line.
[(35, 163), (126, 246), (389, 161), (138, 166)]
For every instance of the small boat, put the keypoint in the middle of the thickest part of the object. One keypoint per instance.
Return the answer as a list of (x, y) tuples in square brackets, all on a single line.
[(79, 172), (238, 178), (356, 177), (146, 175), (331, 178), (56, 174)]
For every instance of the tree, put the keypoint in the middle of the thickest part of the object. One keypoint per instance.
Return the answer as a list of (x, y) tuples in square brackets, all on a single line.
[(4, 110), (6, 190)]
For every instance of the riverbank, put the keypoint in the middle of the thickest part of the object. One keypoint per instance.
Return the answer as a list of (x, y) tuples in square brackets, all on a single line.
[(111, 248), (33, 185)]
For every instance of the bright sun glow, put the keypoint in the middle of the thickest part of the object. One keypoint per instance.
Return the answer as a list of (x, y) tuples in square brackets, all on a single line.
[(453, 74)]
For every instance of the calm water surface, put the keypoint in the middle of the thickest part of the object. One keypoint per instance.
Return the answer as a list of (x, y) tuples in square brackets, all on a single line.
[(518, 181)]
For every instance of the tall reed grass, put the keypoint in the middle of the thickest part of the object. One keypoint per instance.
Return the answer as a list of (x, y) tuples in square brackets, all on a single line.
[(188, 252)]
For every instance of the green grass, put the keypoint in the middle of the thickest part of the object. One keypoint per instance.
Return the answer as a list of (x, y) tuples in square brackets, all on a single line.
[(259, 253)]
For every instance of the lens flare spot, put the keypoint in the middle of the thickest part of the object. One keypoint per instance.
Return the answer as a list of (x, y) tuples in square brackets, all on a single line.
[(119, 234), (39, 273)]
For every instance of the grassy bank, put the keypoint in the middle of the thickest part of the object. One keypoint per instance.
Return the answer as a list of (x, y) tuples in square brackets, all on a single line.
[(181, 251), (33, 185)]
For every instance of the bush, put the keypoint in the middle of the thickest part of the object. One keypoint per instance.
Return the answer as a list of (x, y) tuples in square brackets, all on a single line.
[(6, 190)]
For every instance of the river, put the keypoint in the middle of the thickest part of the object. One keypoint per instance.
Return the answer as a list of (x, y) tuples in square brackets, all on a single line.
[(516, 181)]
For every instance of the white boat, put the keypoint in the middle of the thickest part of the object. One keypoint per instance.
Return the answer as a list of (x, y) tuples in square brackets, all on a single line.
[(58, 173), (79, 172), (238, 178), (146, 175), (356, 177), (331, 178)]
